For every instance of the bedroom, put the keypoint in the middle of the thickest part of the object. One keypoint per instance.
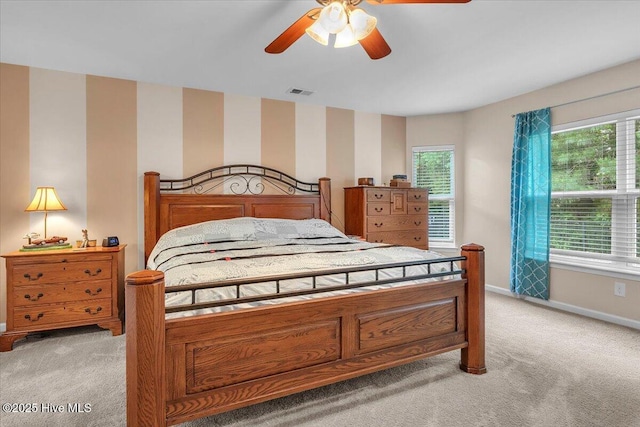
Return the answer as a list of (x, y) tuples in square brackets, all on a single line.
[(107, 132)]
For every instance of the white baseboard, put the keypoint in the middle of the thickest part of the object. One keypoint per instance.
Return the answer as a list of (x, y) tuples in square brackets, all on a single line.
[(630, 323)]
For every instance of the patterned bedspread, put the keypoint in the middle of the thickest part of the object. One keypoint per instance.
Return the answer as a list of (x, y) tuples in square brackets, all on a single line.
[(253, 248)]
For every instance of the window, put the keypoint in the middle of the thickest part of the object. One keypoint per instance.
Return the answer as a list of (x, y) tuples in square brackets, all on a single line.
[(433, 168), (595, 184)]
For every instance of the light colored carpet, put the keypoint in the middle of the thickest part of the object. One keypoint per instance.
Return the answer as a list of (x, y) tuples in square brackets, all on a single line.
[(546, 368)]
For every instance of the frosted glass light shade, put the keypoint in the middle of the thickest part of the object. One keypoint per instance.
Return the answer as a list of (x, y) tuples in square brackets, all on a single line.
[(318, 33), (345, 38), (362, 23), (333, 17)]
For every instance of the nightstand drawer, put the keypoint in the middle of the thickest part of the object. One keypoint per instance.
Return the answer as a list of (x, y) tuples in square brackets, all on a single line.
[(49, 314), (46, 294), (31, 274)]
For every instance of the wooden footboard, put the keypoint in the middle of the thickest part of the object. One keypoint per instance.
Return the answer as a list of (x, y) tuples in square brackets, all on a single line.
[(186, 368)]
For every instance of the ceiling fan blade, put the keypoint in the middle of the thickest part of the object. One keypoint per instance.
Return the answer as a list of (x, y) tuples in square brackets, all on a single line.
[(375, 45), (415, 1), (294, 32)]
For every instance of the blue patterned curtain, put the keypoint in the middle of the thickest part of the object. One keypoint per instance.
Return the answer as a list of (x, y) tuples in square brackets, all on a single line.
[(530, 200)]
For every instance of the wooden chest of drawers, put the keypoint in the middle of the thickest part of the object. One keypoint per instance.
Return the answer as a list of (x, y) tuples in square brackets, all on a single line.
[(388, 215), (63, 288)]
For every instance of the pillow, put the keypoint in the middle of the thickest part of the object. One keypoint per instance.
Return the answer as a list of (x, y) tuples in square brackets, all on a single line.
[(276, 228), (223, 230)]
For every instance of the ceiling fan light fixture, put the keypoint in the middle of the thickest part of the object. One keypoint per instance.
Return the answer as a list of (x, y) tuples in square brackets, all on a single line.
[(362, 23), (318, 33), (346, 37), (333, 17)]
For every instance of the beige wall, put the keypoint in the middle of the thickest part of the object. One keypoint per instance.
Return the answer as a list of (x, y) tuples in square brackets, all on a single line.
[(94, 137), (485, 136)]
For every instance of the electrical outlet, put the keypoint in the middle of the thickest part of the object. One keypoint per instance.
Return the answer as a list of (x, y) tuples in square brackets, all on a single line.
[(619, 289)]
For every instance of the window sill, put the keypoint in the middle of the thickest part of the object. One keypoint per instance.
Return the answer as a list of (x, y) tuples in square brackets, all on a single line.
[(609, 269)]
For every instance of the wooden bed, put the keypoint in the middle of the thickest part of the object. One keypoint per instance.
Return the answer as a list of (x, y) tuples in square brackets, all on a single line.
[(190, 367)]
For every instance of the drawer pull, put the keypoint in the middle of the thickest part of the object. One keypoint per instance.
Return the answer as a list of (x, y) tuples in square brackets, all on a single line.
[(98, 271), (378, 241), (36, 298), (417, 238), (417, 209), (378, 196), (88, 310), (378, 224), (378, 209), (417, 223), (31, 279), (38, 317), (417, 196), (88, 291)]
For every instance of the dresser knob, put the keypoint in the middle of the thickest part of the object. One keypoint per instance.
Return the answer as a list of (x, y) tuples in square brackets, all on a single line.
[(417, 223), (417, 209), (88, 310), (38, 317), (36, 298), (378, 224), (28, 277), (417, 196), (88, 291), (378, 209), (378, 196), (98, 271), (417, 238)]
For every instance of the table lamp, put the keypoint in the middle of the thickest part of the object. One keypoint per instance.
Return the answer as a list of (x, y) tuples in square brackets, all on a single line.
[(45, 200)]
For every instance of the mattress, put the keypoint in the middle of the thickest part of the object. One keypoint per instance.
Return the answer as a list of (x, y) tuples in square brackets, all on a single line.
[(258, 249)]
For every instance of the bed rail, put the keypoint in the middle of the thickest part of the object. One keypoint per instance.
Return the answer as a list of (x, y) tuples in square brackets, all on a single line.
[(313, 278)]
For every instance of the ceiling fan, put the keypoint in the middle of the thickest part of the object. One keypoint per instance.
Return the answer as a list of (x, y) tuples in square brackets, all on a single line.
[(344, 20)]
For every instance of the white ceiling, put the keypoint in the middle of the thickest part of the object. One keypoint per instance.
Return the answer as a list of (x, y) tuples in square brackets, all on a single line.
[(444, 58)]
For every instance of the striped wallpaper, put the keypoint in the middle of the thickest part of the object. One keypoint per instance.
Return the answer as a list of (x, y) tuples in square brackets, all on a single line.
[(94, 137)]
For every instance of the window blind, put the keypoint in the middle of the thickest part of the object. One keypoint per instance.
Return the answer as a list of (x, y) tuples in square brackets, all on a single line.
[(595, 176)]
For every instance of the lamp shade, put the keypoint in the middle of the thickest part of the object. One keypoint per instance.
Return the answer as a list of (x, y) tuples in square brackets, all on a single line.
[(345, 38), (318, 33), (363, 24), (45, 200), (333, 17)]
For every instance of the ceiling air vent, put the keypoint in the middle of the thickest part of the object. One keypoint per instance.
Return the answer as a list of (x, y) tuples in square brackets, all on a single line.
[(298, 91)]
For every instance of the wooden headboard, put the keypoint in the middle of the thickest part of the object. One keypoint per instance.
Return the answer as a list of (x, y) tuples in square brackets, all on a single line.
[(170, 204)]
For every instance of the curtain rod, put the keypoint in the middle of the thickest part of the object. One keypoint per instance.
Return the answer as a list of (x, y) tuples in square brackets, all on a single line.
[(592, 97)]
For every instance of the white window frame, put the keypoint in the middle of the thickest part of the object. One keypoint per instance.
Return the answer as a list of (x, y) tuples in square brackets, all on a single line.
[(440, 242), (615, 264)]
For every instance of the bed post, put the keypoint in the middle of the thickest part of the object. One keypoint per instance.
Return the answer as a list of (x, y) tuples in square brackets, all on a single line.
[(146, 388), (472, 358), (324, 185), (151, 212)]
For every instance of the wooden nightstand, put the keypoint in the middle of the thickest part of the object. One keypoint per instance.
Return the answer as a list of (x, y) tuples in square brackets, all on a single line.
[(63, 288)]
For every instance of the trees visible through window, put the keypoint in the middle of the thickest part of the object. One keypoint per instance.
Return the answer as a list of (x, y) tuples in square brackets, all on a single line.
[(433, 168), (595, 189)]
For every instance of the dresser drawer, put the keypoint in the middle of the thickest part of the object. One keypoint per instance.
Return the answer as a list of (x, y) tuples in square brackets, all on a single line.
[(375, 209), (377, 195), (417, 196), (418, 208), (31, 274), (405, 238), (46, 294), (50, 314), (396, 223)]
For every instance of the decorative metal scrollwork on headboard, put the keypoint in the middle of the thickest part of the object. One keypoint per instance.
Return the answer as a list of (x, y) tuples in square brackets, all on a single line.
[(239, 179)]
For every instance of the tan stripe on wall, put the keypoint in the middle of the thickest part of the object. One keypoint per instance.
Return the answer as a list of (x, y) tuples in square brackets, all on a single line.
[(278, 135), (203, 130), (112, 162), (340, 158), (14, 164)]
